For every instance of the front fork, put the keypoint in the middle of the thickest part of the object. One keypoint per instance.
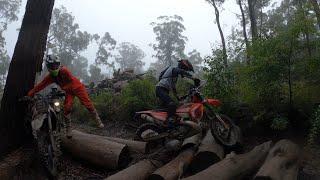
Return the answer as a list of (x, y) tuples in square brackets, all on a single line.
[(211, 114)]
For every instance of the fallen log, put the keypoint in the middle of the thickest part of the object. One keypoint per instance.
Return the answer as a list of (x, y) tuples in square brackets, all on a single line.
[(282, 162), (97, 150), (209, 153), (138, 171), (134, 146), (175, 168), (235, 166), (192, 141)]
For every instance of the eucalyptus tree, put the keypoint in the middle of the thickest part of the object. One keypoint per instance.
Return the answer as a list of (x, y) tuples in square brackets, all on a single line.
[(170, 41), (130, 57), (8, 14), (216, 4)]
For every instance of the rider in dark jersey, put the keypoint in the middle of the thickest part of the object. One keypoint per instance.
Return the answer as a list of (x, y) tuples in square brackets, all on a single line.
[(167, 82)]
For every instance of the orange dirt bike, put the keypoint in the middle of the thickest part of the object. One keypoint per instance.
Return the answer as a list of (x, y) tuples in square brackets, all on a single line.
[(192, 117)]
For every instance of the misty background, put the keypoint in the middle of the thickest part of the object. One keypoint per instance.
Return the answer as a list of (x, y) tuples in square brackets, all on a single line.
[(130, 21)]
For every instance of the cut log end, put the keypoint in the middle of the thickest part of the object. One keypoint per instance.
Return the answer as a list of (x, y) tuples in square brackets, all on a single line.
[(124, 159)]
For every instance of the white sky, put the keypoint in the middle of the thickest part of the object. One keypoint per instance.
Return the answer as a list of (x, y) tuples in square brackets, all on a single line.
[(128, 20)]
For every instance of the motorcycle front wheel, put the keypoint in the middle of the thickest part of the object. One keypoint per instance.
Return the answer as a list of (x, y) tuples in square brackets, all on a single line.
[(230, 137), (46, 153)]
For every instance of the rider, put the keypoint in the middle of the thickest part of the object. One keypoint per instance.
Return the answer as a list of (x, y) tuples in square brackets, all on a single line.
[(71, 85), (167, 82)]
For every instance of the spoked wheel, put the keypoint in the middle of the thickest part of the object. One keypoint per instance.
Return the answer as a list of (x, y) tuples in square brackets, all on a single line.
[(149, 132), (47, 155), (231, 136)]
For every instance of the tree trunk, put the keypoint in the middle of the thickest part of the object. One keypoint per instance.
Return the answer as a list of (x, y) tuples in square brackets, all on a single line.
[(192, 141), (282, 162), (138, 171), (316, 10), (209, 152), (244, 29), (134, 146), (253, 19), (235, 166), (97, 150), (175, 168), (26, 61), (224, 49)]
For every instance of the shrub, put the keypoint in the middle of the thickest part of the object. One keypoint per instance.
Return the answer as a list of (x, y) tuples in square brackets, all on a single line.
[(279, 123)]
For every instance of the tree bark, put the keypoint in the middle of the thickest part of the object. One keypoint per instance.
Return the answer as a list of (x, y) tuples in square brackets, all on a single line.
[(316, 10), (235, 166), (26, 61), (223, 42), (192, 141), (134, 146), (175, 168), (253, 19), (138, 171), (97, 150), (209, 153), (282, 162), (244, 29)]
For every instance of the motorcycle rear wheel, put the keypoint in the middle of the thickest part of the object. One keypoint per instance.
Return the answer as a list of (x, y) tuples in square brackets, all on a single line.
[(228, 137), (148, 130)]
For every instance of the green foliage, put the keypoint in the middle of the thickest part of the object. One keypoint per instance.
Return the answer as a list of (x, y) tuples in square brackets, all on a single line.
[(315, 125), (67, 41), (279, 70), (219, 78), (138, 95), (95, 74), (170, 41), (279, 123), (106, 46), (8, 14)]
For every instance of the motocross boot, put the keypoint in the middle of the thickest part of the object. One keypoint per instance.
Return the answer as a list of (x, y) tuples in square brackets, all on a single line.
[(95, 116), (68, 126)]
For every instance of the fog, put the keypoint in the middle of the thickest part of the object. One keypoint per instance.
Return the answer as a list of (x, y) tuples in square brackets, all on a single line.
[(130, 21)]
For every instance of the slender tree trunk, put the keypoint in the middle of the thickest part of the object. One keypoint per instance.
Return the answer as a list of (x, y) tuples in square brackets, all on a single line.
[(253, 19), (290, 75), (26, 61), (244, 29), (224, 49), (316, 10)]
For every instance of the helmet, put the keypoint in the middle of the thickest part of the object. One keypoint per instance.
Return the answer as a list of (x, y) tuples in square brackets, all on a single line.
[(53, 65), (185, 64)]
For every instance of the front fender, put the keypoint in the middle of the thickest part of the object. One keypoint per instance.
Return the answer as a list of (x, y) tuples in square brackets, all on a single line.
[(37, 122)]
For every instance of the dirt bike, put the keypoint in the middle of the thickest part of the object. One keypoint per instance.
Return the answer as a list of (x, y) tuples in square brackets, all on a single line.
[(198, 114), (45, 115)]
